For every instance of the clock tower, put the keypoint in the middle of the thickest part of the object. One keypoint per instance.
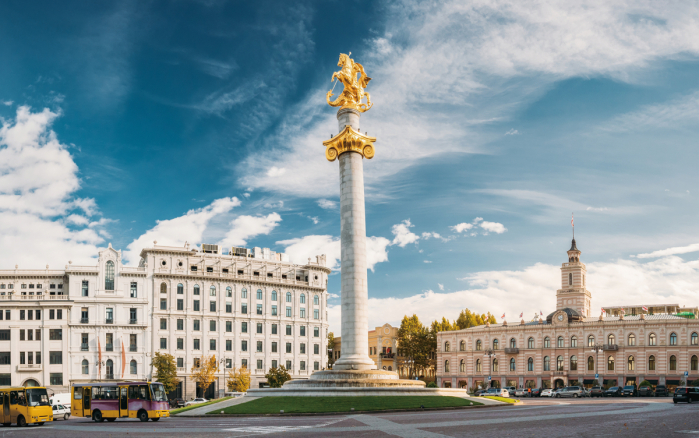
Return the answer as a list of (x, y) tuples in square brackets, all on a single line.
[(573, 293)]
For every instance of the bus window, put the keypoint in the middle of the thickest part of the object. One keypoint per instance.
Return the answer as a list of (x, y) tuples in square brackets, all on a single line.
[(158, 392), (143, 390), (78, 393), (22, 399), (37, 397), (133, 392), (13, 397)]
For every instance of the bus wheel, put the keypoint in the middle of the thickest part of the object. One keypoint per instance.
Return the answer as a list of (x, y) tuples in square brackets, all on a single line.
[(21, 422), (97, 416), (155, 419), (143, 415)]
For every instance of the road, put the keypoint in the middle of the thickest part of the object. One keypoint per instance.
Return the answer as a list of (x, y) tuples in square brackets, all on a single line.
[(536, 418)]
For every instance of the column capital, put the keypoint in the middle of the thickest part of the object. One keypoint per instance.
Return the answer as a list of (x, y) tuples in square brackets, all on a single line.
[(349, 140)]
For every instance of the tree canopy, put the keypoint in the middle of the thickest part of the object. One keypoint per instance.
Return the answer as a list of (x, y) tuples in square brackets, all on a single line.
[(238, 379), (331, 345), (417, 345), (205, 374), (277, 376), (465, 320), (166, 371)]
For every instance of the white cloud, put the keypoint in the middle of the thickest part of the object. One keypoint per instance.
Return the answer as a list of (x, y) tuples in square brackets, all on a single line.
[(327, 204), (460, 228), (274, 172), (487, 227), (7, 102), (431, 235), (676, 112), (403, 235), (512, 132), (441, 286), (301, 248), (670, 251), (493, 227), (175, 232), (427, 261), (245, 227)]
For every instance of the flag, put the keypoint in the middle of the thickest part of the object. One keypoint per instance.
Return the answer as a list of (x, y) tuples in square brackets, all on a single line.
[(541, 313), (521, 314), (123, 359), (603, 311), (572, 222), (623, 311), (645, 309), (503, 316), (99, 352)]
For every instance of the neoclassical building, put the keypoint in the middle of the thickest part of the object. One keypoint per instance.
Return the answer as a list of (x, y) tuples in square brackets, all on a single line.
[(628, 345), (106, 321)]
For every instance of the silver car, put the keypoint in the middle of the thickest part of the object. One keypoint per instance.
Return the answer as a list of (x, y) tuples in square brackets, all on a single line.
[(571, 391)]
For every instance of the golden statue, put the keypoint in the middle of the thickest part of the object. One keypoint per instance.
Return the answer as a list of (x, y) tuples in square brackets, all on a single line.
[(353, 94)]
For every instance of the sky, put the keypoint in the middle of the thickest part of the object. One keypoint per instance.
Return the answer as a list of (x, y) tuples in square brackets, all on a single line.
[(202, 122)]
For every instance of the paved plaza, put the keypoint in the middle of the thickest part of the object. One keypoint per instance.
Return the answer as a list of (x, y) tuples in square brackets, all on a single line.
[(536, 418)]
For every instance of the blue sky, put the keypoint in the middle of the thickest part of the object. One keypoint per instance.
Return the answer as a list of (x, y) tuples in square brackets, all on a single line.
[(203, 121)]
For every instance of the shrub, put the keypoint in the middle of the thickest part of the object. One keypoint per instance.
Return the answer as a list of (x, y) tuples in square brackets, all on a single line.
[(645, 383), (431, 385)]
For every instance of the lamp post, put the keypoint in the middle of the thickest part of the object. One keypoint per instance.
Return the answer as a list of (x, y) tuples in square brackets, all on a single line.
[(221, 364), (490, 353), (596, 349)]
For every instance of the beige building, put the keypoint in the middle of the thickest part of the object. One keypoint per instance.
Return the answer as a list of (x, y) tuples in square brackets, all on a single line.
[(626, 346)]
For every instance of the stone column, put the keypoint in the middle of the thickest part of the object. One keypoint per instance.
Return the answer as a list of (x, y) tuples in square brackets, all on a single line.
[(354, 298)]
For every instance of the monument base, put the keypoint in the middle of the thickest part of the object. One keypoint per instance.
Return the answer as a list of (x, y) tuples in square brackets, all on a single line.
[(361, 391)]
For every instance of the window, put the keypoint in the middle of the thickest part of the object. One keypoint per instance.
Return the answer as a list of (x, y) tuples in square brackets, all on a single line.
[(212, 306), (229, 345), (180, 344), (288, 297), (479, 345), (316, 366), (495, 344), (462, 346), (302, 348), (259, 294), (573, 363), (244, 345), (212, 291), (631, 364), (5, 358), (274, 310), (446, 366), (530, 364), (55, 334), (560, 342), (288, 311), (652, 339), (163, 343), (302, 330), (21, 315), (260, 366), (547, 342), (196, 325), (302, 312), (59, 314), (132, 342), (229, 307), (229, 363), (196, 289), (109, 275), (196, 306), (610, 363), (259, 346), (56, 379), (673, 339), (212, 344), (180, 304), (651, 363), (274, 295), (446, 346), (316, 349), (133, 367), (673, 363), (478, 365), (38, 335), (259, 327), (163, 324), (244, 308), (85, 367), (163, 304), (197, 344), (512, 364), (244, 363), (632, 339), (694, 339), (513, 343), (274, 329), (196, 362), (495, 365), (590, 363), (316, 314), (302, 299), (229, 326), (163, 288), (243, 293), (180, 362), (573, 341), (229, 292), (132, 315), (212, 325), (288, 347), (243, 327), (180, 324), (570, 279), (288, 330), (611, 340), (559, 363), (530, 343), (52, 314), (259, 309), (693, 363), (55, 357), (38, 314)]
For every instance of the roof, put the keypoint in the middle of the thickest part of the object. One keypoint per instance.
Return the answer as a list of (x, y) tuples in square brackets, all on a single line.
[(573, 315), (573, 247), (661, 317)]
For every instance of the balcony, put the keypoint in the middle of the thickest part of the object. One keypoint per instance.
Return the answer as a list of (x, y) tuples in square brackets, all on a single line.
[(109, 347), (84, 320), (559, 373), (387, 355), (84, 347), (514, 350), (610, 347), (29, 367), (133, 348), (133, 321), (109, 321)]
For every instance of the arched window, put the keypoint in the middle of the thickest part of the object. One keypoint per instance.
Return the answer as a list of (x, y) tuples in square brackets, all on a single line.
[(512, 364), (590, 363), (547, 363), (673, 339), (212, 291), (462, 346), (673, 363), (651, 363), (274, 295), (133, 368), (288, 297), (573, 341), (559, 363), (695, 339), (570, 279), (479, 345), (610, 363), (109, 275), (163, 288), (495, 344), (259, 294), (180, 289), (547, 342), (530, 343), (86, 367), (530, 364), (560, 342), (573, 363), (652, 339), (196, 289), (631, 364), (590, 341), (446, 346), (495, 366), (316, 301), (478, 365), (611, 340), (243, 293), (229, 292), (110, 369), (513, 343), (303, 299), (632, 340), (462, 366), (694, 363), (446, 366)]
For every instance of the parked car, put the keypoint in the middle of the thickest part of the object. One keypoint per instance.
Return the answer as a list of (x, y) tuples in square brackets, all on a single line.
[(556, 391), (630, 391), (480, 391), (196, 401), (571, 391), (686, 394), (596, 391), (548, 392), (62, 398), (646, 391), (510, 389), (614, 391), (496, 392), (521, 392), (536, 392), (60, 411), (661, 391), (176, 403)]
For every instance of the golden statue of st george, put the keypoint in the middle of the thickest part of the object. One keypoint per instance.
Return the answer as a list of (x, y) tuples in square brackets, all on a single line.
[(354, 93)]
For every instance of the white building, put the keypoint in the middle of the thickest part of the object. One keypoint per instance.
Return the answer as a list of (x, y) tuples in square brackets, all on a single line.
[(105, 322)]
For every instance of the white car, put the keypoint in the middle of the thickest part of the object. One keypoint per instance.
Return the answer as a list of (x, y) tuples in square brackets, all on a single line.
[(496, 392), (548, 392), (196, 401), (521, 392), (60, 411)]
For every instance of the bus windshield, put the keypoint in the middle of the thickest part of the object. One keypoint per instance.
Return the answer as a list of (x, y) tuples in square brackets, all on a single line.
[(158, 392), (37, 397)]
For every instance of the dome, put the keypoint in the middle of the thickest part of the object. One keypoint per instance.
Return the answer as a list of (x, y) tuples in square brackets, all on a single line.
[(573, 315)]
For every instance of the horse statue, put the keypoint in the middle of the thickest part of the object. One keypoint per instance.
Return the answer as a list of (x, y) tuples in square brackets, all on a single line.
[(354, 93)]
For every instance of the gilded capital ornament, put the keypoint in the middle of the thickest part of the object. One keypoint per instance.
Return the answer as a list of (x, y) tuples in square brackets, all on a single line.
[(349, 140), (354, 93)]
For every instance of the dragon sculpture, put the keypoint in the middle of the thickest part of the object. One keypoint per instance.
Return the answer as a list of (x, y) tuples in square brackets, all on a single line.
[(354, 93)]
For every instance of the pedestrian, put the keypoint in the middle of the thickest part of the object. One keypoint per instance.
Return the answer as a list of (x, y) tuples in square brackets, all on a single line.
[(529, 392)]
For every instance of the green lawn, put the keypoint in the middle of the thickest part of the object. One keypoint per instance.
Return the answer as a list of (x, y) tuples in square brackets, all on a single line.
[(272, 405), (189, 408), (502, 399)]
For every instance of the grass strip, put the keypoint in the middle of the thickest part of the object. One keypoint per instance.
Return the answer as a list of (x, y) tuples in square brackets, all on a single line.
[(293, 405), (199, 405), (502, 399)]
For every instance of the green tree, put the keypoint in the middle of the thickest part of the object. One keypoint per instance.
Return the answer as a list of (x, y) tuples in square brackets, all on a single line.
[(166, 371), (443, 326), (417, 344), (277, 376), (694, 383), (206, 373), (238, 379), (331, 345), (647, 383)]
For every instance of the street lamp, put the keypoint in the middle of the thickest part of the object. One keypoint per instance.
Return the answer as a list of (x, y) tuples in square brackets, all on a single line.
[(490, 353), (596, 349)]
